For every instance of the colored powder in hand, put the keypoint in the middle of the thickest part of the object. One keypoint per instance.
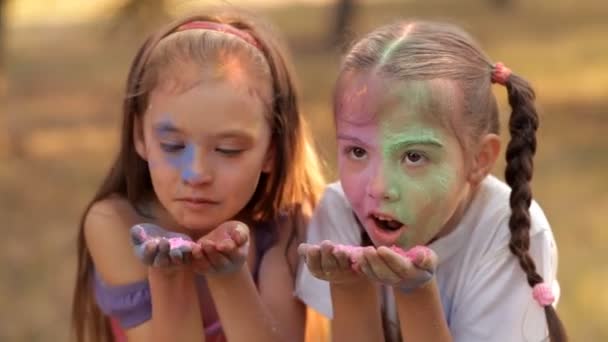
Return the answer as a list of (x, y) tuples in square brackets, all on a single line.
[(415, 253), (401, 252), (178, 242), (354, 253)]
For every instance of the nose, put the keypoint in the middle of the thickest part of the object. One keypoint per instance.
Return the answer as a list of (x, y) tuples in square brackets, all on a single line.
[(381, 187), (195, 168)]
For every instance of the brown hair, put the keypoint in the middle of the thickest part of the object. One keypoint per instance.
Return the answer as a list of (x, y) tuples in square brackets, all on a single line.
[(409, 51), (290, 191)]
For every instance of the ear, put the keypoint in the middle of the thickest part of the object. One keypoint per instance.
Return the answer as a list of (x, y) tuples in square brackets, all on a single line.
[(484, 159), (138, 137), (269, 159)]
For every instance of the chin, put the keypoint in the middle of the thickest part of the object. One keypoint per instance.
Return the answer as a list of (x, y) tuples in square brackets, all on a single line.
[(199, 224)]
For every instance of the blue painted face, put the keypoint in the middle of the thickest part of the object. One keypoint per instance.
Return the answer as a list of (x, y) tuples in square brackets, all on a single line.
[(206, 148)]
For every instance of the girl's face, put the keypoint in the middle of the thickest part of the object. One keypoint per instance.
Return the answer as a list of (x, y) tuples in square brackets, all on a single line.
[(206, 148), (402, 170)]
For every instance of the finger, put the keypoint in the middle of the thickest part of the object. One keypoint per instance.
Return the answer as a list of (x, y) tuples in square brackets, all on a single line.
[(399, 264), (240, 234), (303, 249), (313, 259), (138, 235), (186, 253), (343, 258), (218, 261), (226, 246), (382, 271), (201, 262), (234, 253), (328, 262), (365, 267), (149, 251), (176, 256), (162, 257), (197, 251), (425, 258), (151, 230)]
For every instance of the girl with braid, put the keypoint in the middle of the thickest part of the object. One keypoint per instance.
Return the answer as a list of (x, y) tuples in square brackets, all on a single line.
[(417, 241)]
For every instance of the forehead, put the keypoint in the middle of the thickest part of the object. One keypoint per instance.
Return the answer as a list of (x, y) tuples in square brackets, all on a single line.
[(207, 106), (368, 99)]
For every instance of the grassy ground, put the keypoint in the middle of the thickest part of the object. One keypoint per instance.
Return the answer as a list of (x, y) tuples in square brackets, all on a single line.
[(64, 101)]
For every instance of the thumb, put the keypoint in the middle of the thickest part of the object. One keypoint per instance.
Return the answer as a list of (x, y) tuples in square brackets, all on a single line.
[(239, 232)]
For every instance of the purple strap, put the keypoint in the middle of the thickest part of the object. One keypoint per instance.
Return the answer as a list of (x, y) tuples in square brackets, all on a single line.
[(131, 304)]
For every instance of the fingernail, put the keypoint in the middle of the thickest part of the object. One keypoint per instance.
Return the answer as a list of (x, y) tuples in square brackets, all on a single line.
[(240, 228)]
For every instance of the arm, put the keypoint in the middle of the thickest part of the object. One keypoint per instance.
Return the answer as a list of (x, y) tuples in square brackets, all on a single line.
[(411, 273), (247, 315), (107, 235), (356, 312), (355, 299), (176, 315), (243, 314), (421, 315)]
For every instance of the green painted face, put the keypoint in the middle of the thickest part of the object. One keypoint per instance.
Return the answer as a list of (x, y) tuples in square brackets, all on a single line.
[(404, 165)]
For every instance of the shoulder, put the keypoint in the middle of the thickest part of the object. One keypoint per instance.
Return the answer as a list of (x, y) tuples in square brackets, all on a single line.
[(334, 219), (333, 196), (494, 212), (487, 232), (333, 205), (106, 231)]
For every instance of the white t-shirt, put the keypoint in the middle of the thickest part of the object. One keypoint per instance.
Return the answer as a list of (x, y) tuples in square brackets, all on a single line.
[(484, 292)]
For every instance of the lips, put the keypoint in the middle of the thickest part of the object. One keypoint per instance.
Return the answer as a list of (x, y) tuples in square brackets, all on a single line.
[(385, 227), (197, 202)]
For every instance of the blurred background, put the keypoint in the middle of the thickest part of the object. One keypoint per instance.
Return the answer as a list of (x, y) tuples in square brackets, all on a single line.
[(63, 65)]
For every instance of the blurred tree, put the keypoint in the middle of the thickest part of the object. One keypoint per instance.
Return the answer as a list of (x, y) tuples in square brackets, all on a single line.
[(138, 15), (501, 4), (343, 17), (7, 142)]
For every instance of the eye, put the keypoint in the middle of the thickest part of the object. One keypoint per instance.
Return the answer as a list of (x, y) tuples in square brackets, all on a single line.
[(356, 153), (229, 151), (171, 147), (413, 158)]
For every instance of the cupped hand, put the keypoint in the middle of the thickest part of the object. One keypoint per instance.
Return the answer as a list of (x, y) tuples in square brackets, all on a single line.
[(332, 262), (404, 270), (223, 250), (158, 247)]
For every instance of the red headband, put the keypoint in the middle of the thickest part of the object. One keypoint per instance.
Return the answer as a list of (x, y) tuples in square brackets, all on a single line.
[(220, 27), (500, 73)]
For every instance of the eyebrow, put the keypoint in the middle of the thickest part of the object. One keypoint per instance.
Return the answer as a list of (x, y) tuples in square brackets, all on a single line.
[(233, 133), (398, 143), (351, 138), (166, 127)]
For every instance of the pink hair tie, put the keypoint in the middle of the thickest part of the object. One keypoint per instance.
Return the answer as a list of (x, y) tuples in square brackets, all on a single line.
[(543, 294), (220, 27), (500, 73)]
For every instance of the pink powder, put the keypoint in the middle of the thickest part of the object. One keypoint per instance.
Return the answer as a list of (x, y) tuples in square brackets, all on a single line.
[(177, 242), (416, 253), (354, 253)]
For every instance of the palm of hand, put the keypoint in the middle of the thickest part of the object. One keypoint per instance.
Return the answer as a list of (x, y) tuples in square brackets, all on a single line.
[(158, 247), (332, 262), (404, 270), (223, 250)]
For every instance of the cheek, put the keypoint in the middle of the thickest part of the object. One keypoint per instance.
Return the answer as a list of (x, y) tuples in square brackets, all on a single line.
[(442, 190), (354, 181)]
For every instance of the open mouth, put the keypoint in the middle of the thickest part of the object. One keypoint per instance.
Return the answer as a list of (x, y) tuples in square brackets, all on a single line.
[(386, 223)]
